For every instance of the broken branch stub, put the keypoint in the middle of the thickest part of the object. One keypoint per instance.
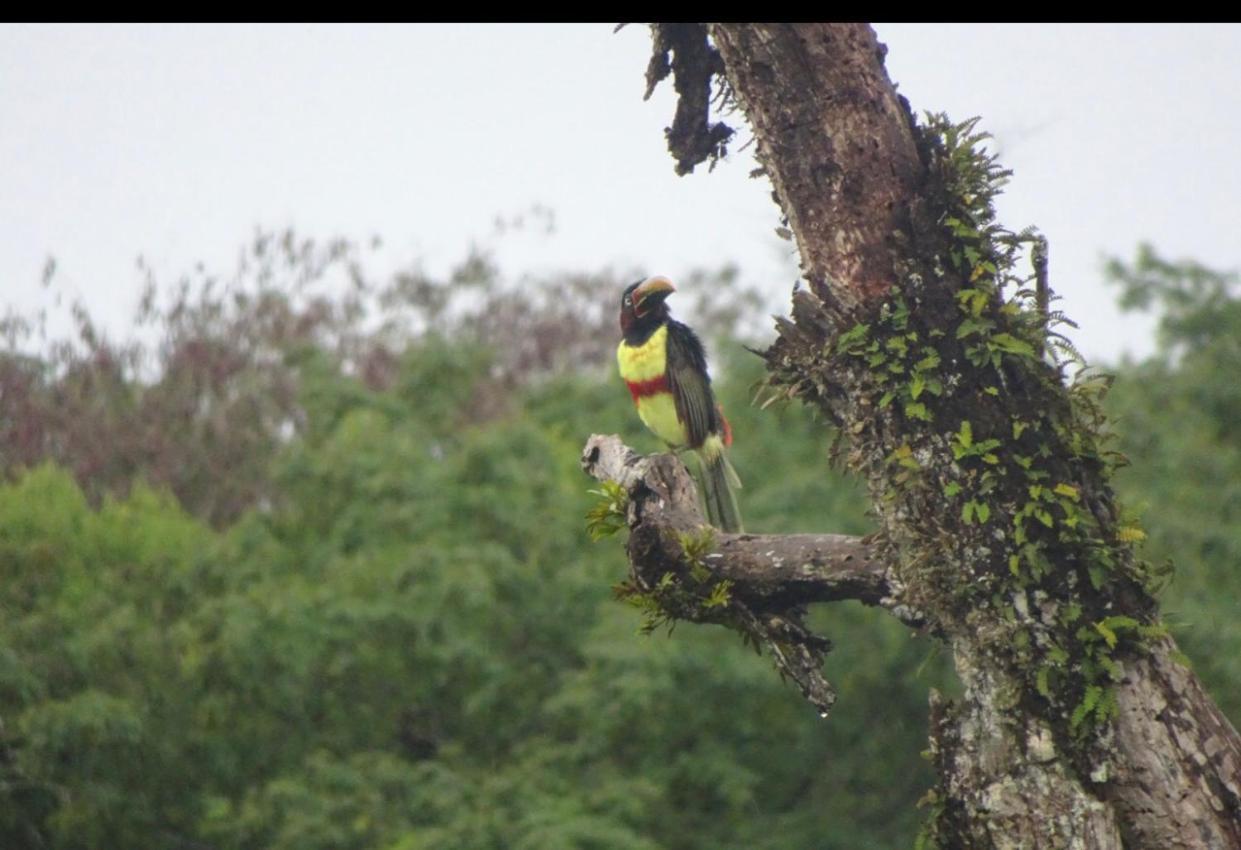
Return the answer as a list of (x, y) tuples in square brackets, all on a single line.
[(767, 578)]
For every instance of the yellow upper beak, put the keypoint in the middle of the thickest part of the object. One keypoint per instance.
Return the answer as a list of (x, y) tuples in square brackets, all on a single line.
[(651, 286)]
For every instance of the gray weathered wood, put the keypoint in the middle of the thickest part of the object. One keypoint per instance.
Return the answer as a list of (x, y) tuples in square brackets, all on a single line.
[(771, 568)]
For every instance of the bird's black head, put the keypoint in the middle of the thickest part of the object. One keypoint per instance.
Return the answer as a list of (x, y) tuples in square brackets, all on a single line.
[(643, 308)]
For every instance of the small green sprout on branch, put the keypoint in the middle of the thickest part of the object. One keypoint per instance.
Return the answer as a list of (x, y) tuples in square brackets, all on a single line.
[(608, 515), (697, 597)]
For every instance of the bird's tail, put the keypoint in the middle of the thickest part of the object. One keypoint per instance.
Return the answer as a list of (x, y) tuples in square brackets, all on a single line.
[(719, 483)]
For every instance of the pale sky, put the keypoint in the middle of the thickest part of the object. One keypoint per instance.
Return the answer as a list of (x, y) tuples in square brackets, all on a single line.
[(175, 142)]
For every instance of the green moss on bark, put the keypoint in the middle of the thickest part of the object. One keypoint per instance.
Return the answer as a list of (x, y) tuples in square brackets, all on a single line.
[(989, 466)]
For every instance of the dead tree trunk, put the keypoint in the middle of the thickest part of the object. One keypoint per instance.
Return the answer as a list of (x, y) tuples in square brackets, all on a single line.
[(988, 471)]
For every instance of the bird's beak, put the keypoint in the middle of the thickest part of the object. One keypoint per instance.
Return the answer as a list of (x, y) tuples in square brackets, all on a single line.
[(658, 288)]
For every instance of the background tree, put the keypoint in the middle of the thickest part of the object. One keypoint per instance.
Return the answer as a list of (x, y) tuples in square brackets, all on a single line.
[(989, 475), (402, 636)]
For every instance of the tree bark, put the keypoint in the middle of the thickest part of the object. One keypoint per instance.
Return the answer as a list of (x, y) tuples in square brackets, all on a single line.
[(865, 196), (836, 143), (768, 579), (771, 570)]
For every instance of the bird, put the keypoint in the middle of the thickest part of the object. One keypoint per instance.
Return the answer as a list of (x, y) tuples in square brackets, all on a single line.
[(664, 365)]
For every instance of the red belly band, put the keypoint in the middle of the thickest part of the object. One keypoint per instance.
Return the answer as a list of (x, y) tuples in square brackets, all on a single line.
[(653, 386)]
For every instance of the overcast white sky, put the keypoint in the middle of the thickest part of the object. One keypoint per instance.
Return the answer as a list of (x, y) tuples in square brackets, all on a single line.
[(175, 142)]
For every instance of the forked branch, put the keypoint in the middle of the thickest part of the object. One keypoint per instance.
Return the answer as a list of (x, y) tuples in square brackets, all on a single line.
[(768, 578)]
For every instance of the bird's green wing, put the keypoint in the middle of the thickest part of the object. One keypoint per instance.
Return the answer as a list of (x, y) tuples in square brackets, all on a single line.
[(690, 385)]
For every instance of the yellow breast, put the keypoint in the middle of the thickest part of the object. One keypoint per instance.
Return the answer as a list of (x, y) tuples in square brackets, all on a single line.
[(659, 413), (645, 361)]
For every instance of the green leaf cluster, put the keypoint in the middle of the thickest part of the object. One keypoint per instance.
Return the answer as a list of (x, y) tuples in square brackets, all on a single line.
[(607, 516), (968, 400)]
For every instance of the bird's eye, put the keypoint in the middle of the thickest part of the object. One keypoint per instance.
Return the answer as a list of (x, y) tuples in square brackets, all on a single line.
[(628, 300)]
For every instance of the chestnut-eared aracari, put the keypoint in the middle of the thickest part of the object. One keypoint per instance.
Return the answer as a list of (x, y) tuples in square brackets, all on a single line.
[(665, 368)]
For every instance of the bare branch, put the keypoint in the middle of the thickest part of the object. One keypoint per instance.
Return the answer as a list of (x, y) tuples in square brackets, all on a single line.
[(769, 570), (758, 584)]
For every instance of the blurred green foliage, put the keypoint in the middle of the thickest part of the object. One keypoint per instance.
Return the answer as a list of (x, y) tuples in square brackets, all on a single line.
[(395, 632), (1178, 415)]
